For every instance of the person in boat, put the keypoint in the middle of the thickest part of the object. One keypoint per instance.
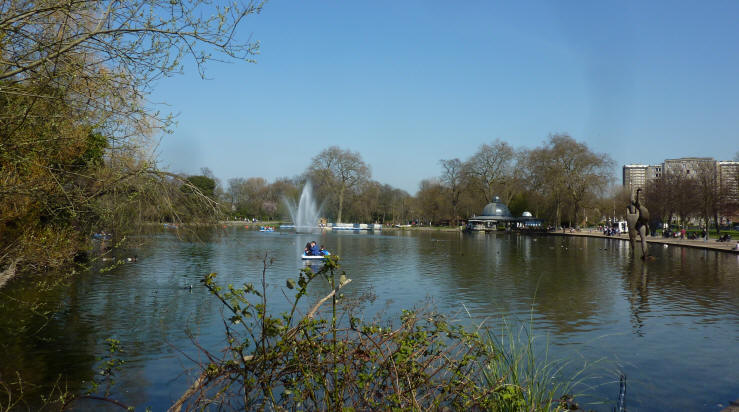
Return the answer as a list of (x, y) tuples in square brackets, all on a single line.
[(314, 249), (307, 250), (323, 251)]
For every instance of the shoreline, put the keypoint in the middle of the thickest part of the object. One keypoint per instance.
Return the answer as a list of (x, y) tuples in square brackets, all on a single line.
[(711, 244)]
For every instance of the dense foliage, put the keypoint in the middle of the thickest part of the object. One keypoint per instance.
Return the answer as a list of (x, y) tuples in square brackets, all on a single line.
[(75, 125)]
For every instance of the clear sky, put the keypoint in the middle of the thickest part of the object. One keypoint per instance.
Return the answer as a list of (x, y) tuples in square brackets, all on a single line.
[(407, 83)]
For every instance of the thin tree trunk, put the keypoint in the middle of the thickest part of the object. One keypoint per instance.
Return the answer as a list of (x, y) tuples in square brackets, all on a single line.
[(341, 203), (715, 220)]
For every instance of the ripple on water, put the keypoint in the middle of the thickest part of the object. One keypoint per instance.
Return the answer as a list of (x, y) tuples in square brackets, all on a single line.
[(667, 324)]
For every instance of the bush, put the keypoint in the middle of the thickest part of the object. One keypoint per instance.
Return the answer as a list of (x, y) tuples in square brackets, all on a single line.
[(336, 361)]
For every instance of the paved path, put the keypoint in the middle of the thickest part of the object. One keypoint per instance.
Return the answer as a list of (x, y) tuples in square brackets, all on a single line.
[(710, 244)]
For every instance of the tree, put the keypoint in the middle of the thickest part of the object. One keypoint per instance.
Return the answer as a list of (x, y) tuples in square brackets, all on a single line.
[(76, 125), (148, 38), (514, 182), (367, 202), (452, 178), (431, 200), (400, 205), (279, 190), (488, 167), (683, 191), (546, 181), (566, 170), (235, 191), (343, 168), (206, 185)]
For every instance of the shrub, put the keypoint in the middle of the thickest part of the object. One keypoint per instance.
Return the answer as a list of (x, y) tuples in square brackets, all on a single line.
[(332, 360)]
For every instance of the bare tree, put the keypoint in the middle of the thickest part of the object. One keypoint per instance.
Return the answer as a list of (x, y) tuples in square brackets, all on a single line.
[(683, 190), (452, 177), (148, 38), (235, 191), (565, 170), (343, 167), (515, 182), (431, 200), (488, 167)]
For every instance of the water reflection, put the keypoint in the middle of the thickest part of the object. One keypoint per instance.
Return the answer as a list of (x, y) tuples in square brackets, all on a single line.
[(591, 296), (636, 284)]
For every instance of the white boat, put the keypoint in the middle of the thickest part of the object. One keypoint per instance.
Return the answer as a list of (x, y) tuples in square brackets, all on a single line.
[(354, 226), (313, 257)]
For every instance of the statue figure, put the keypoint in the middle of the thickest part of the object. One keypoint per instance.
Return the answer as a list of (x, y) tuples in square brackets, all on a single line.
[(637, 217)]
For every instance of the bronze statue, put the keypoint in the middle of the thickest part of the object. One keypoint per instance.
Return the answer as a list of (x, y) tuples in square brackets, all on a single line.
[(637, 217)]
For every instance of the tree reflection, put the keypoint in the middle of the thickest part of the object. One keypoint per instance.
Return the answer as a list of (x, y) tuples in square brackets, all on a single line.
[(44, 342), (560, 279)]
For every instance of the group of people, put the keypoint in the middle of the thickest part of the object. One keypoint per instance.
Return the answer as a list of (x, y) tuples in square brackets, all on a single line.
[(311, 249), (724, 238), (611, 231)]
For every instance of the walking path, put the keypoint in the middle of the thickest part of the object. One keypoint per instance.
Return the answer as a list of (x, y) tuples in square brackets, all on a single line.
[(710, 244)]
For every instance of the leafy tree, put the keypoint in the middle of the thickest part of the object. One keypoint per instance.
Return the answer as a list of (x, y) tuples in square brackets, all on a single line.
[(206, 185), (75, 123)]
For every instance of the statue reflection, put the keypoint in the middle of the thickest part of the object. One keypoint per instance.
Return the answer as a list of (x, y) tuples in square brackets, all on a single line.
[(638, 297)]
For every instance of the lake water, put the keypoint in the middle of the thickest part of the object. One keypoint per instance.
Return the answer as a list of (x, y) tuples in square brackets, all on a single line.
[(671, 325)]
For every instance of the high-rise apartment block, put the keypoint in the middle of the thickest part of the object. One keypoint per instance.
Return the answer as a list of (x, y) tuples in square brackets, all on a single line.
[(728, 175), (727, 172), (636, 176), (688, 166)]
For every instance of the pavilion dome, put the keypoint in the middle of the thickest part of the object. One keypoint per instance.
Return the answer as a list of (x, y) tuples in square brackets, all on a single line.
[(527, 214), (496, 209)]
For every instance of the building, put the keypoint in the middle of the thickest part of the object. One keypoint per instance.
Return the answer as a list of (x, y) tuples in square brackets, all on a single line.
[(497, 213), (636, 176), (728, 177), (688, 166), (726, 174)]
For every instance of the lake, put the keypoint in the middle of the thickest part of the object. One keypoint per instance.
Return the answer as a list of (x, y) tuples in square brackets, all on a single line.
[(670, 325)]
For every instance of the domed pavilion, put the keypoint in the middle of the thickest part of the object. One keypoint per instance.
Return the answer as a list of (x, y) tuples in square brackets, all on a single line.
[(496, 213)]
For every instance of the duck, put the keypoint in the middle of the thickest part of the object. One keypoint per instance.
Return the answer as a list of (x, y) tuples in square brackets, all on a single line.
[(131, 259)]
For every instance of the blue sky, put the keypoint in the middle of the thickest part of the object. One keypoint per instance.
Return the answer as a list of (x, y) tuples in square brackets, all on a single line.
[(407, 83)]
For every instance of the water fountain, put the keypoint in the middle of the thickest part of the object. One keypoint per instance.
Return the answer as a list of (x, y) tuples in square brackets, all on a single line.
[(305, 215)]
